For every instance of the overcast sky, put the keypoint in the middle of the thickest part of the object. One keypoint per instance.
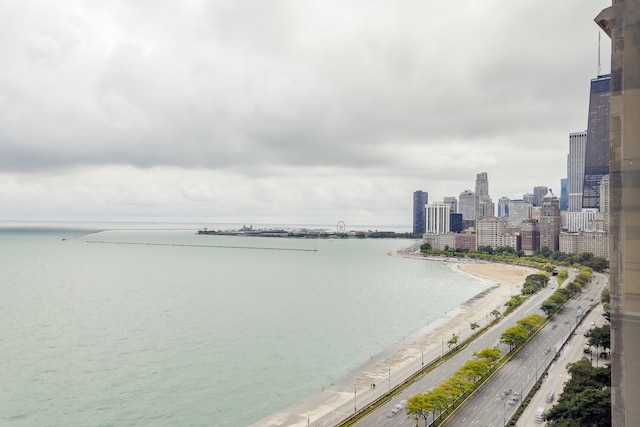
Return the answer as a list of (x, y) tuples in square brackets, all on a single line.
[(298, 111)]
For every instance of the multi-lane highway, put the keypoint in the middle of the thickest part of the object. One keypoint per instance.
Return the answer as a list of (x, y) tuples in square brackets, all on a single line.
[(487, 407)]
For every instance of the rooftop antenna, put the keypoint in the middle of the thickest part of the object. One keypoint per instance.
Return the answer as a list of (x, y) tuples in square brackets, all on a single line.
[(599, 67)]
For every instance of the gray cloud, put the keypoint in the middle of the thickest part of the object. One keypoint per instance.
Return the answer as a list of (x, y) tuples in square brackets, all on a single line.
[(423, 94)]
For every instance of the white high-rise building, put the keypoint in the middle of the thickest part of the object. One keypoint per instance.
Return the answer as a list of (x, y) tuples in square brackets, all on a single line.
[(438, 218), (519, 210), (575, 169), (604, 201)]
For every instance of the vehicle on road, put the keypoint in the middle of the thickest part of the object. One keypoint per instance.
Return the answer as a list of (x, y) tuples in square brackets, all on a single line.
[(538, 415), (397, 408)]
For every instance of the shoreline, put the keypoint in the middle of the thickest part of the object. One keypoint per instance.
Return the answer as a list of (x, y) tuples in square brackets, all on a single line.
[(401, 360)]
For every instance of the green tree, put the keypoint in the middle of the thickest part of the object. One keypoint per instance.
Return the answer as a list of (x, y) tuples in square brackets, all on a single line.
[(474, 326), (495, 313), (419, 406), (531, 322), (600, 337), (514, 336), (474, 369), (452, 341), (491, 355), (586, 397)]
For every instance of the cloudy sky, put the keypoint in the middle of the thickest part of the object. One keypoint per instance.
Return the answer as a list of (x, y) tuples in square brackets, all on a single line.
[(285, 111)]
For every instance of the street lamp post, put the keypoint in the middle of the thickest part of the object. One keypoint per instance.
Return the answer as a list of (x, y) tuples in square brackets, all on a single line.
[(354, 399), (389, 377), (423, 358)]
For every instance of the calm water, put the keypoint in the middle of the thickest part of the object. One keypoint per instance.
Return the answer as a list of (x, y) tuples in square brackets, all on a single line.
[(142, 328)]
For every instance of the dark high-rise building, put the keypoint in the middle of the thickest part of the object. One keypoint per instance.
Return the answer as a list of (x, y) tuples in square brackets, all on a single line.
[(596, 158), (420, 199), (538, 194), (564, 194), (455, 223)]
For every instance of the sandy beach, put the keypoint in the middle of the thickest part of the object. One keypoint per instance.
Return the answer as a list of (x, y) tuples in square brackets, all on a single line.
[(399, 362)]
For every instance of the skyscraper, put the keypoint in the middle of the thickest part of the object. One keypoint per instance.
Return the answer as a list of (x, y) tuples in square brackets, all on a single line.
[(503, 208), (438, 218), (564, 194), (550, 222), (420, 199), (575, 169), (452, 202), (482, 184), (485, 206), (538, 194), (596, 157), (468, 205)]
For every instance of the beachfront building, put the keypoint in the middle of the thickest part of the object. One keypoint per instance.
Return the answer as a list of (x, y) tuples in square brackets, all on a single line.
[(550, 222), (495, 233), (447, 241), (420, 199), (594, 242), (437, 218)]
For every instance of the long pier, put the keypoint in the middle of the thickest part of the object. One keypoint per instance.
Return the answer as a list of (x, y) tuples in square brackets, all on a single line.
[(202, 246)]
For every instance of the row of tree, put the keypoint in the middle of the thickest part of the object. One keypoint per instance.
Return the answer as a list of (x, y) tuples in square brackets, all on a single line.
[(439, 399), (545, 259), (517, 335), (559, 298)]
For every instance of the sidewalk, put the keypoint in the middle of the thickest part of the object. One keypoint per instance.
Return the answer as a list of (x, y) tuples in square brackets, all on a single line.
[(558, 375)]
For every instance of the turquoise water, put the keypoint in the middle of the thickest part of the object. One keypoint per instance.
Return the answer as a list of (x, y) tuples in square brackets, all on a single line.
[(166, 327)]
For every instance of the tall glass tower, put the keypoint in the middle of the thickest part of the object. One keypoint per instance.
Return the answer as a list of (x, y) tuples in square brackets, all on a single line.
[(420, 199), (596, 159)]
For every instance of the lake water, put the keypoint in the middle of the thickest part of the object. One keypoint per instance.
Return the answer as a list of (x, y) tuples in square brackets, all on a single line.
[(167, 327)]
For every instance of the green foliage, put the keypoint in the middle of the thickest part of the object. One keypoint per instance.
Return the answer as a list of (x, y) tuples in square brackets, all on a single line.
[(474, 326), (562, 276), (453, 341), (463, 381), (600, 337), (534, 282), (491, 355), (532, 323), (515, 336), (586, 398)]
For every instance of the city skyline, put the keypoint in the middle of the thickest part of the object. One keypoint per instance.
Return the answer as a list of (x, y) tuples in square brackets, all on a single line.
[(294, 113)]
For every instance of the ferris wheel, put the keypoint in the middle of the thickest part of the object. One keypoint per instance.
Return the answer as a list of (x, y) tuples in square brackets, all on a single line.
[(340, 227)]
